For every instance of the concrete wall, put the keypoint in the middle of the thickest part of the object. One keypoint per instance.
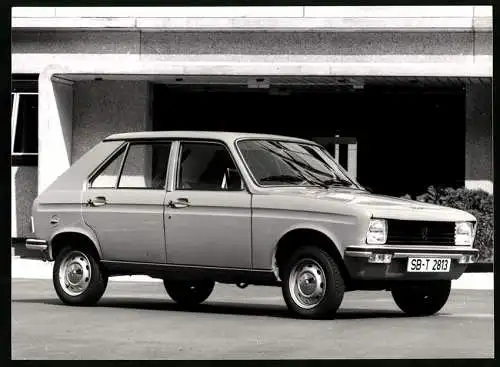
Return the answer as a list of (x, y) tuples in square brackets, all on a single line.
[(24, 190), (333, 18), (255, 11), (93, 42), (262, 46), (478, 137), (102, 108), (137, 171), (64, 100), (382, 52)]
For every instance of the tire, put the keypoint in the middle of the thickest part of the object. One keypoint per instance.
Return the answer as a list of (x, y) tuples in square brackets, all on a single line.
[(312, 285), (78, 278), (188, 293), (423, 298)]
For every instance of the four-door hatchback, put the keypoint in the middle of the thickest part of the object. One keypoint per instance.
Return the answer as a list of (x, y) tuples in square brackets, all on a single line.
[(195, 208)]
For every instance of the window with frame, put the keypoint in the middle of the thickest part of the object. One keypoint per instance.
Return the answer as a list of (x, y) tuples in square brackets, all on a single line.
[(207, 167), (108, 175), (24, 119), (24, 124), (145, 166)]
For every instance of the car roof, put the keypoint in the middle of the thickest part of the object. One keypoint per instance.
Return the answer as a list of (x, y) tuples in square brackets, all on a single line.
[(210, 135)]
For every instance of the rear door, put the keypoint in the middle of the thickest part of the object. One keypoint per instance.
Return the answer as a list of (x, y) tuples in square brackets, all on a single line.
[(124, 203)]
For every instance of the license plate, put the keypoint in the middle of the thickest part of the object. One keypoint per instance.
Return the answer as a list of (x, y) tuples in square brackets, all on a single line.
[(428, 265)]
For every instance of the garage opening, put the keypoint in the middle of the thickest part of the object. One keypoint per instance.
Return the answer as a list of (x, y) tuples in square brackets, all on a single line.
[(403, 138)]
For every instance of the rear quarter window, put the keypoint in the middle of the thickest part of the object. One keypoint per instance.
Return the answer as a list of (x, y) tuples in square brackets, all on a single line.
[(108, 175)]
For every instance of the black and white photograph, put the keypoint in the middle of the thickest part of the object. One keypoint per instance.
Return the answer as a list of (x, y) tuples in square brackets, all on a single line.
[(252, 182)]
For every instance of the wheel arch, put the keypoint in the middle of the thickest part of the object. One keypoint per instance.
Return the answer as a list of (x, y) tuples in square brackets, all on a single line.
[(80, 237), (298, 236)]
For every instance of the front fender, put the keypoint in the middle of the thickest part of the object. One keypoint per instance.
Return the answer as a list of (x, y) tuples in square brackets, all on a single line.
[(313, 227), (305, 226)]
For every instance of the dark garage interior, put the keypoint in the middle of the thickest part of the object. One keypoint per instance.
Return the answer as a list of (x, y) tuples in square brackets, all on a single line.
[(408, 137)]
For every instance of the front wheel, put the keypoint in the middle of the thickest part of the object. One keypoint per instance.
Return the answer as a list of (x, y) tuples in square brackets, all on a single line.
[(78, 278), (422, 299), (188, 293), (312, 285)]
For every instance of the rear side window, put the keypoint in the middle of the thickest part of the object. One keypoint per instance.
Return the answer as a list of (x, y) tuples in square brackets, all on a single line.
[(145, 166), (108, 176)]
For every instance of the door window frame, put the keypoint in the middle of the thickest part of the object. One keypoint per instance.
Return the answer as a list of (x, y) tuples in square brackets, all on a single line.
[(124, 148), (145, 142), (174, 174), (104, 164)]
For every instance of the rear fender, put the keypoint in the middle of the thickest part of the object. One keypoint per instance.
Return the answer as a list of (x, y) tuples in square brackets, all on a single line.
[(83, 230)]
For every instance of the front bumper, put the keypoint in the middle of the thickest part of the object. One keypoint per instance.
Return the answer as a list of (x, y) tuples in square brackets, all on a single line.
[(39, 247), (358, 260)]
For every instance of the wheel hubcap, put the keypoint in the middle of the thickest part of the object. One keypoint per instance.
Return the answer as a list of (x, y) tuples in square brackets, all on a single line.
[(307, 283), (75, 273)]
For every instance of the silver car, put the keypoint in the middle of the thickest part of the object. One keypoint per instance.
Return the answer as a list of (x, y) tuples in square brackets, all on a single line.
[(195, 208)]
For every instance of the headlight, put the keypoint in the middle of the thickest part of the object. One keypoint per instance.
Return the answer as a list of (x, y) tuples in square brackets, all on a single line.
[(377, 232), (464, 233)]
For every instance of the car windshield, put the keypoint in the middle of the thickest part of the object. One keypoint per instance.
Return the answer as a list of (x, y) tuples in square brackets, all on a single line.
[(284, 163)]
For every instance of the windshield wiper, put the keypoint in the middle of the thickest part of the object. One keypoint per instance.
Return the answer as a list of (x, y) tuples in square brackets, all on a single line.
[(282, 178), (292, 179), (337, 182)]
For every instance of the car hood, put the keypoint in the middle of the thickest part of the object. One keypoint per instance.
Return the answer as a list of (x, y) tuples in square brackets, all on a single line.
[(382, 206)]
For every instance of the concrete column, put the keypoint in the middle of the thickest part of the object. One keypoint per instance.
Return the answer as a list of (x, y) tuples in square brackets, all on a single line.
[(478, 137), (13, 203), (55, 114), (352, 160), (23, 192)]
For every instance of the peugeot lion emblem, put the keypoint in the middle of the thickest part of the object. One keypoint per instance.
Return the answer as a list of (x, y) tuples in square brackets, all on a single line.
[(425, 233)]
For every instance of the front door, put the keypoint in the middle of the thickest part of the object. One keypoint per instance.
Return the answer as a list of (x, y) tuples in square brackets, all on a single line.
[(207, 214), (124, 203)]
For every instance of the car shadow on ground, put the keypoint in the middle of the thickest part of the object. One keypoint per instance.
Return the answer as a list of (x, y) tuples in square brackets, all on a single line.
[(218, 307)]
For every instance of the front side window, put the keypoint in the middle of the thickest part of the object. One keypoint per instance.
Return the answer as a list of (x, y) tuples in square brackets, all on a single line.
[(283, 163), (207, 166), (145, 166)]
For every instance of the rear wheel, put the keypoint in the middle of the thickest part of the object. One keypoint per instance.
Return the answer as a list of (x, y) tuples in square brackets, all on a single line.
[(78, 278), (423, 298), (312, 286), (188, 293)]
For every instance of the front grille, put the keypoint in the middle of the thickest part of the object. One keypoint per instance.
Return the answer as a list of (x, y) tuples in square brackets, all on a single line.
[(404, 232)]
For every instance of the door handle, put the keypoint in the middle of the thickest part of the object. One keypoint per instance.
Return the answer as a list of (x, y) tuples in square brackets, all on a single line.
[(179, 203), (98, 201)]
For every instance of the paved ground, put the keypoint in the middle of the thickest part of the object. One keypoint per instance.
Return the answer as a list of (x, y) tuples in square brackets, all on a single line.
[(139, 321)]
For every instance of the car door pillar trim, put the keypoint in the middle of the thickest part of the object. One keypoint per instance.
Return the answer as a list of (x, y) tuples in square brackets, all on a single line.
[(172, 165)]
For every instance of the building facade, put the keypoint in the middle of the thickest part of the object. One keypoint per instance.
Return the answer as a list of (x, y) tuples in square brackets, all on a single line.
[(402, 96)]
